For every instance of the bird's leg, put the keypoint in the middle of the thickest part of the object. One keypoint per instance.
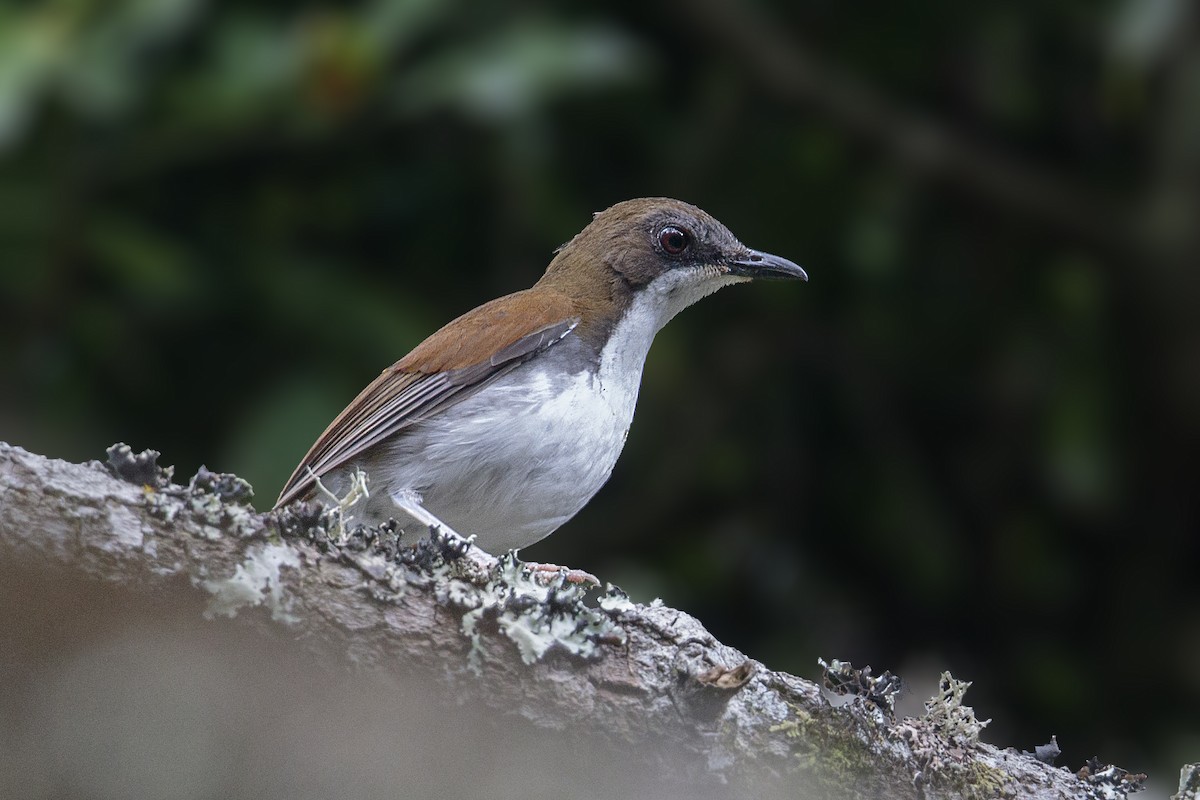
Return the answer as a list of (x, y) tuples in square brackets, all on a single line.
[(410, 503)]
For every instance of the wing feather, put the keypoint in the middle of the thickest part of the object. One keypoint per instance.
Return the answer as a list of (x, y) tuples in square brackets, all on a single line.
[(445, 369)]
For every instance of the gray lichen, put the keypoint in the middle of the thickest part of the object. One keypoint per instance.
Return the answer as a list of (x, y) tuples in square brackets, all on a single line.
[(221, 500), (256, 581), (534, 614), (537, 615), (842, 678), (1047, 753), (950, 715), (1108, 781), (142, 468), (1189, 783)]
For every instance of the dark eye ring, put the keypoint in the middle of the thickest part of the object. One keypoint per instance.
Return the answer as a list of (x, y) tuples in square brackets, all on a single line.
[(674, 240)]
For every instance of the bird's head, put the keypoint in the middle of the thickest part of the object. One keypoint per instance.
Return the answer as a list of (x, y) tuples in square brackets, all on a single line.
[(671, 252)]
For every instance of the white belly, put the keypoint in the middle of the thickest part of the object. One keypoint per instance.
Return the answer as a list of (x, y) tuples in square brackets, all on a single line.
[(513, 462)]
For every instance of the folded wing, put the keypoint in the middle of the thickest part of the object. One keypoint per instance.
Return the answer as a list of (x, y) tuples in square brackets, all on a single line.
[(448, 367)]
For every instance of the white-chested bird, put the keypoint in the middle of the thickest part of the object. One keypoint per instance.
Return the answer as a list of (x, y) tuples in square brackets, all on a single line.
[(504, 423)]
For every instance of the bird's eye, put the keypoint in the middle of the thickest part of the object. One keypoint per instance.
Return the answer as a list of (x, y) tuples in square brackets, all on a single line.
[(673, 240)]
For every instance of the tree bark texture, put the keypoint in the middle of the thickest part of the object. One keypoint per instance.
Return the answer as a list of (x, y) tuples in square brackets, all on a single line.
[(623, 694)]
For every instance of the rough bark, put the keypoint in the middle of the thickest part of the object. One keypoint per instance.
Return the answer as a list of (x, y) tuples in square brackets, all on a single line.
[(645, 684)]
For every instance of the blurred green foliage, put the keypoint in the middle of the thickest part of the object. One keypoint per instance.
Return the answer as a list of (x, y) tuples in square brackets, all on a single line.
[(970, 442)]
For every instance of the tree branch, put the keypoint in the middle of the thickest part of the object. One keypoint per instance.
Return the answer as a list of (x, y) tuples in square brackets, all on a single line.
[(646, 684)]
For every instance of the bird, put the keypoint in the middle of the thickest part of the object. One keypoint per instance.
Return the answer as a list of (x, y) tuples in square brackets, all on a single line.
[(505, 422)]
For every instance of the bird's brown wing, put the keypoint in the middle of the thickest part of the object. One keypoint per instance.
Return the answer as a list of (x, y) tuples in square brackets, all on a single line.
[(448, 367)]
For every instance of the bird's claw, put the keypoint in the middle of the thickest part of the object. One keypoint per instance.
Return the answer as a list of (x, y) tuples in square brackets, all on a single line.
[(546, 574)]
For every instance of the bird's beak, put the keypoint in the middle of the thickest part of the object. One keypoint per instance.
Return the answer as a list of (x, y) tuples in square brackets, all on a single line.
[(754, 264)]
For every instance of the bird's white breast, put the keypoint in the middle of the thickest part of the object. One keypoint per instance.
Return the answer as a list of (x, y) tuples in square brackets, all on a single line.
[(522, 456)]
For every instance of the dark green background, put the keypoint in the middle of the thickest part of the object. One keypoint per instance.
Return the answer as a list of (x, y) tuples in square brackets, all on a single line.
[(970, 442)]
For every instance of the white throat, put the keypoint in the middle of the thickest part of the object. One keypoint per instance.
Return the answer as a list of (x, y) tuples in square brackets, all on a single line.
[(624, 355)]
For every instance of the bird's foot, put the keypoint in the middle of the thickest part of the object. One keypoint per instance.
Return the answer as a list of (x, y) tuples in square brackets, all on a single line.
[(546, 574)]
